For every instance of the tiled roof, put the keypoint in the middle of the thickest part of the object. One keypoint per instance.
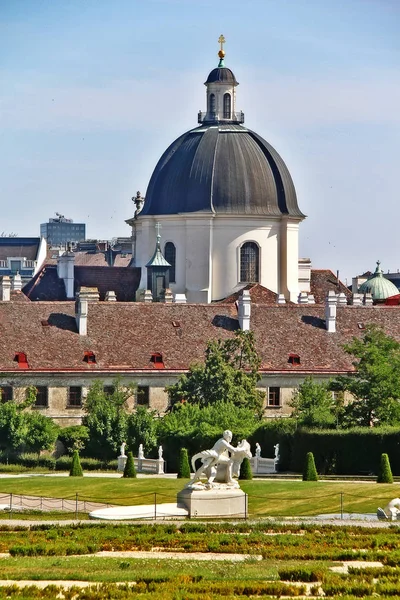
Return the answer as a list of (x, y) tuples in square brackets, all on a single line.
[(123, 336), (323, 280), (47, 286), (258, 294)]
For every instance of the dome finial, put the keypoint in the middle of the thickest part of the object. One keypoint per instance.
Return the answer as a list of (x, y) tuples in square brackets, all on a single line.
[(221, 53)]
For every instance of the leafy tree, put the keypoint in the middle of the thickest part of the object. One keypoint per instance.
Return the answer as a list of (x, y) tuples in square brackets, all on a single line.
[(42, 432), (73, 437), (13, 421), (385, 473), (375, 386), (129, 470), (142, 429), (106, 419), (310, 471), (245, 470), (184, 467), (313, 405), (76, 468), (230, 373)]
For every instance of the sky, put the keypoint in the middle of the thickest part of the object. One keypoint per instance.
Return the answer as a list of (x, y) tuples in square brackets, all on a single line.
[(93, 92)]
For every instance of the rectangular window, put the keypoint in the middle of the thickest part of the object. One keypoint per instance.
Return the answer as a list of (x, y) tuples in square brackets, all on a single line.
[(109, 390), (6, 393), (143, 395), (75, 396), (42, 397), (274, 396)]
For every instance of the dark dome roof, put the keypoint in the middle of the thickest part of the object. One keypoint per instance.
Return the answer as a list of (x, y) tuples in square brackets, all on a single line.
[(222, 74), (224, 169)]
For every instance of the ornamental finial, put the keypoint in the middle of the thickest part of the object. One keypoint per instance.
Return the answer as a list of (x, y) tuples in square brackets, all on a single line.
[(221, 40)]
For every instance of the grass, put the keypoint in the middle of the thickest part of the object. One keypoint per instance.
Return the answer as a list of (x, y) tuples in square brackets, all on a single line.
[(266, 497)]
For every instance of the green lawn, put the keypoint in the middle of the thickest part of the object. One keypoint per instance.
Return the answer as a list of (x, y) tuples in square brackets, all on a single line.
[(266, 498)]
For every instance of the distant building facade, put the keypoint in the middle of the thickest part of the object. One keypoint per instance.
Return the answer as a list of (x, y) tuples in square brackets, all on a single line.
[(22, 255), (61, 231)]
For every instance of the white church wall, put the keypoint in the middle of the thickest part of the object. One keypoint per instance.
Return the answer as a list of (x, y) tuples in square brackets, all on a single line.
[(230, 233)]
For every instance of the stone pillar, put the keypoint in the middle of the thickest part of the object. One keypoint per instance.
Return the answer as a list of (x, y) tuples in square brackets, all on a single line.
[(148, 296), (180, 299), (110, 296), (17, 283)]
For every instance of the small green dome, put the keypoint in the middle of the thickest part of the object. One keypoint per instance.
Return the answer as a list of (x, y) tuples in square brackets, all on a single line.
[(378, 286)]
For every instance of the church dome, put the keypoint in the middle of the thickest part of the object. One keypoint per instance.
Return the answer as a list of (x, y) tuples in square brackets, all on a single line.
[(378, 286), (222, 74), (221, 168)]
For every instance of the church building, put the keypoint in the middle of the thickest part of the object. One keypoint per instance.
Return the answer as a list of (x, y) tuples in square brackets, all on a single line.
[(226, 206)]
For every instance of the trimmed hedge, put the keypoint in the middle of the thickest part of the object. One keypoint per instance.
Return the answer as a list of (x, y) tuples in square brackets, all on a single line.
[(343, 452), (310, 472), (385, 473), (245, 470), (184, 467), (76, 469), (129, 470)]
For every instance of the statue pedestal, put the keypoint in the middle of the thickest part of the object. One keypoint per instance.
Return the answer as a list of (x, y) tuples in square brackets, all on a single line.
[(214, 502), (121, 462)]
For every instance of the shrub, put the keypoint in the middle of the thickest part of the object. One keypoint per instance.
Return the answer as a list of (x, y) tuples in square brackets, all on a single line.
[(76, 469), (310, 472), (184, 468), (129, 470), (385, 472), (245, 470), (73, 438)]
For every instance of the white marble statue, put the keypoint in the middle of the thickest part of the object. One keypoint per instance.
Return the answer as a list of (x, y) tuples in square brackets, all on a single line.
[(276, 448), (122, 449), (140, 452), (220, 464), (160, 452), (391, 510), (258, 450)]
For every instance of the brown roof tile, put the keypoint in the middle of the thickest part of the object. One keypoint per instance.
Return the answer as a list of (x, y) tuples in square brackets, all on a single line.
[(123, 336), (323, 280)]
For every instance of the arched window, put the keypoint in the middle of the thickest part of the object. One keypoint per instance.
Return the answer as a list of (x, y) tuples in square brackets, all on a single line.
[(249, 262), (227, 106), (170, 256), (212, 105)]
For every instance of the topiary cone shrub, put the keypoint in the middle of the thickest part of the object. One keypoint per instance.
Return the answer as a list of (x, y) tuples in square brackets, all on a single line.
[(385, 472), (129, 470), (310, 472), (183, 467), (245, 470), (76, 468)]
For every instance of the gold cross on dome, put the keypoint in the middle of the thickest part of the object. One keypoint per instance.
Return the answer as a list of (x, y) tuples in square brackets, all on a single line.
[(221, 40)]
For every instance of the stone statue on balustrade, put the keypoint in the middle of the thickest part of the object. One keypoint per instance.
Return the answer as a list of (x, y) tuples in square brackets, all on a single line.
[(140, 452), (258, 450), (220, 465)]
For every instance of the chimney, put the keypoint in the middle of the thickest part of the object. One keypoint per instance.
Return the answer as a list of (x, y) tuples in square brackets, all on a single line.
[(110, 296), (368, 300), (330, 311), (357, 299), (5, 289), (65, 271), (85, 295), (82, 314), (180, 299), (244, 310), (342, 300), (17, 283), (303, 298), (148, 296), (281, 299), (167, 296)]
